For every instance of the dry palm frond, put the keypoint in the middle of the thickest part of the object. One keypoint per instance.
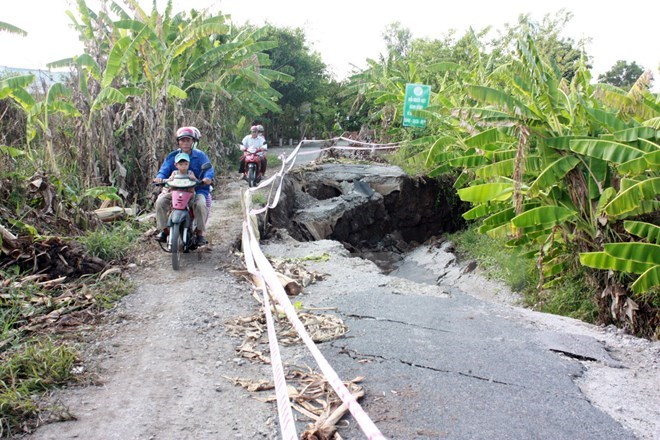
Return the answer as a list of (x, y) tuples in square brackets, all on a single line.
[(321, 328), (298, 272), (251, 385)]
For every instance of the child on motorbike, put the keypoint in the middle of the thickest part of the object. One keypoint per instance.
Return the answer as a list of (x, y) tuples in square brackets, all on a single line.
[(182, 163), (187, 139)]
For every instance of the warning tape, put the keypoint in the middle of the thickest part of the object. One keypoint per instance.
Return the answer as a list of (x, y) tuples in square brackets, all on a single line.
[(287, 423), (259, 266), (270, 277)]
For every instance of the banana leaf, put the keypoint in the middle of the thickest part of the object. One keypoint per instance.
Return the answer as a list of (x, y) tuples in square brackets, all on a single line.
[(470, 161), (648, 231), (486, 192), (634, 133), (553, 174), (606, 150), (605, 261), (640, 165), (647, 281), (636, 251), (543, 215), (627, 201), (481, 210), (500, 98)]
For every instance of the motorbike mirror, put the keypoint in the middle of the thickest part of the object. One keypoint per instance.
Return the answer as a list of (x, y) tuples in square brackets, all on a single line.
[(206, 166)]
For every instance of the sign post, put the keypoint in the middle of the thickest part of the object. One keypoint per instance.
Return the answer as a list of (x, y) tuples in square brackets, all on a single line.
[(416, 98)]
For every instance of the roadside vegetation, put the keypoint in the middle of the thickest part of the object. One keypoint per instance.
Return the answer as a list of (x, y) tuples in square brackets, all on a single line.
[(554, 165), (561, 172), (572, 297)]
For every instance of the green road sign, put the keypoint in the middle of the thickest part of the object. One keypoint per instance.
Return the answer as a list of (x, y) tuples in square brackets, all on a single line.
[(416, 98)]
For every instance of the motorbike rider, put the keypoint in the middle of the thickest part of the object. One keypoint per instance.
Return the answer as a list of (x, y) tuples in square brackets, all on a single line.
[(187, 140), (253, 140), (264, 147)]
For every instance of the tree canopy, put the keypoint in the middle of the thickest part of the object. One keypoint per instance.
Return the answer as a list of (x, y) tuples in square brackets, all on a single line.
[(622, 74)]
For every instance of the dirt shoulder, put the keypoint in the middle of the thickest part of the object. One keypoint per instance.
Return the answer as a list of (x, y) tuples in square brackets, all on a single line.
[(160, 363)]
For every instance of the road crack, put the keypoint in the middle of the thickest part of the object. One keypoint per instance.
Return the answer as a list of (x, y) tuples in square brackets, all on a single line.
[(376, 318)]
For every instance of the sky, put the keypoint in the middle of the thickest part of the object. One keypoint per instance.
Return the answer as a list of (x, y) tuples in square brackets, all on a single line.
[(347, 32)]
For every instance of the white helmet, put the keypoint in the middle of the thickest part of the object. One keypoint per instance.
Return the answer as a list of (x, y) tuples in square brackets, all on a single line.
[(190, 132)]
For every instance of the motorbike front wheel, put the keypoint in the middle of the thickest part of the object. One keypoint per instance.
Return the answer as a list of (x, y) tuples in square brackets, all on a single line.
[(176, 243), (252, 176)]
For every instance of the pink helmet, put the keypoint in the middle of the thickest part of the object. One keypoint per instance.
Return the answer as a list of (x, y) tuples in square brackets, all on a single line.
[(190, 132), (254, 128)]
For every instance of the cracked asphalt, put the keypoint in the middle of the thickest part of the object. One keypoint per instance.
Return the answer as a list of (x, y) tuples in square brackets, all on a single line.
[(439, 363)]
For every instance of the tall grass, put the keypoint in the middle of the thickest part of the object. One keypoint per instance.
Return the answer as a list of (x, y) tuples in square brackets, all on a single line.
[(112, 242), (570, 298), (502, 263), (25, 372)]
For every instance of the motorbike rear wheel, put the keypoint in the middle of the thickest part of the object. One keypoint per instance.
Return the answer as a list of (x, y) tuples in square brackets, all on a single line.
[(176, 246), (252, 176)]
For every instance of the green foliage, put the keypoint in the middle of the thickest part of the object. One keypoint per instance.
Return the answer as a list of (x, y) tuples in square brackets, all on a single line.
[(7, 27), (563, 54), (549, 162), (112, 242), (501, 262), (571, 297), (307, 95), (26, 372), (274, 162), (317, 258), (111, 289), (103, 193), (622, 74), (259, 199)]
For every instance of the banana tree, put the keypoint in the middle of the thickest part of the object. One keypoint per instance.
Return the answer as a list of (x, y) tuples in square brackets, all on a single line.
[(549, 166), (154, 68), (39, 113)]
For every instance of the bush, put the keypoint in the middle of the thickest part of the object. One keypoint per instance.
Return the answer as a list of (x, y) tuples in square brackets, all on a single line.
[(111, 243)]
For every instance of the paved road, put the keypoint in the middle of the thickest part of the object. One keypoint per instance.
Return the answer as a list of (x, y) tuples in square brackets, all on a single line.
[(439, 363), (306, 152)]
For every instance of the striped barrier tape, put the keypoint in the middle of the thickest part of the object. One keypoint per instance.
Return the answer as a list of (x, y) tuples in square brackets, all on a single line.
[(269, 275), (285, 415), (258, 265)]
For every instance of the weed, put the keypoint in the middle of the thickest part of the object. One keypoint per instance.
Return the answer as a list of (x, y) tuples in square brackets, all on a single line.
[(317, 258), (569, 298), (274, 162), (111, 243), (258, 199), (500, 262), (26, 372), (112, 289)]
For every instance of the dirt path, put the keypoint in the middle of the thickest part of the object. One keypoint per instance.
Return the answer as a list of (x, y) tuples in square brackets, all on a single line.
[(159, 363)]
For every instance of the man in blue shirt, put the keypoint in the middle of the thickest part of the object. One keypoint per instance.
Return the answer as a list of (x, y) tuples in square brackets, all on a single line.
[(187, 139)]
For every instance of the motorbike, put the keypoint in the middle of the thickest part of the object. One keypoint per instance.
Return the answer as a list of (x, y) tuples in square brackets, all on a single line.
[(182, 221), (252, 170)]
